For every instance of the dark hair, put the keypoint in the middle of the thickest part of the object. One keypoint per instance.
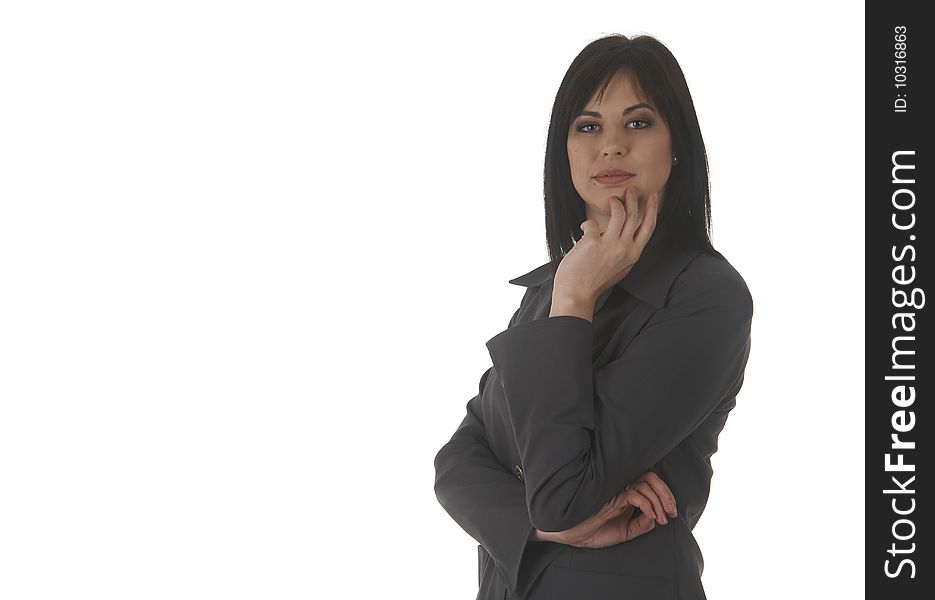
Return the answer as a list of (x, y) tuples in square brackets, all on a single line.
[(685, 215)]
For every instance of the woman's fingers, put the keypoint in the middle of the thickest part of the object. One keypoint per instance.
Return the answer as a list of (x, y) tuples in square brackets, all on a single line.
[(650, 493), (648, 223), (637, 499), (631, 203), (662, 492), (618, 215), (637, 527), (654, 490), (590, 228)]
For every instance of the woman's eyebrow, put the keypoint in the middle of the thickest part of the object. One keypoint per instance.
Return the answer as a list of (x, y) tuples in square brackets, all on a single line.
[(591, 113)]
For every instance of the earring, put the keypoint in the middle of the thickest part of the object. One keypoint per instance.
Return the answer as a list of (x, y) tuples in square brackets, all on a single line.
[(675, 159)]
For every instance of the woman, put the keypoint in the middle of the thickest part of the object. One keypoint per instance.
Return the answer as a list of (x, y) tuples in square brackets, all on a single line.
[(616, 374)]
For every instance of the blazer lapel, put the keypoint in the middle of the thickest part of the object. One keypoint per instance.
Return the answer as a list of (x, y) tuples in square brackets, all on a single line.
[(649, 282)]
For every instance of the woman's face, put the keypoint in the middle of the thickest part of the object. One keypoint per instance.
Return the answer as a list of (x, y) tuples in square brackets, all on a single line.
[(620, 132)]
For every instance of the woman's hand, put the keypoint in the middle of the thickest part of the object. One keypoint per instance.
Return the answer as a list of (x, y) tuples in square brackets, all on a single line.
[(599, 260), (614, 522)]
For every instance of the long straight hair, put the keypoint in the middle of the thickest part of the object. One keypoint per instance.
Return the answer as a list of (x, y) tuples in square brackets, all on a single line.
[(685, 216)]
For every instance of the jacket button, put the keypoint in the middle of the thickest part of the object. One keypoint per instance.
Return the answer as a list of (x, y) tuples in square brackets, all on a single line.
[(518, 471)]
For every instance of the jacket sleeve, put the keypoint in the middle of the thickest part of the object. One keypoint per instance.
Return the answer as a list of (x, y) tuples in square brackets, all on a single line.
[(583, 434), (482, 495)]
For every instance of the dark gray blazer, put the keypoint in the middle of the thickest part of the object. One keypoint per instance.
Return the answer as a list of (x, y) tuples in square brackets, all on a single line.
[(573, 410)]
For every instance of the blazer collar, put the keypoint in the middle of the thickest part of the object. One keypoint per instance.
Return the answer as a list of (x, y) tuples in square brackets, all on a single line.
[(650, 279)]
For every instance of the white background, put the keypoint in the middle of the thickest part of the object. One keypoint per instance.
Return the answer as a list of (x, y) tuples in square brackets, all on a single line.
[(250, 254)]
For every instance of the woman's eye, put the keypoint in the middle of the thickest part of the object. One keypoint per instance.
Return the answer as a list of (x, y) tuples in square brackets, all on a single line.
[(645, 123)]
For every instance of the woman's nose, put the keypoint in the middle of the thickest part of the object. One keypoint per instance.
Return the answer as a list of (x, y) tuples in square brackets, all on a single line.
[(616, 144)]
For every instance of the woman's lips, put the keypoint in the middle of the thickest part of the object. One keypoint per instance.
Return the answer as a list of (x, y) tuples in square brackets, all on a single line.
[(613, 179)]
